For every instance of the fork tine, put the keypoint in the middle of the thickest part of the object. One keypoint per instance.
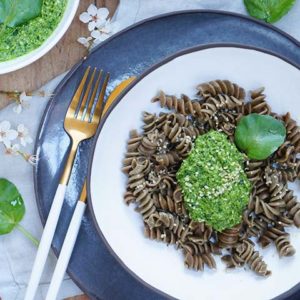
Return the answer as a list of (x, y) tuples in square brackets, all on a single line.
[(93, 97), (99, 106), (76, 98), (86, 96)]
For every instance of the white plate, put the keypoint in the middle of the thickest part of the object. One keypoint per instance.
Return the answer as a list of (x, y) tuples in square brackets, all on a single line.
[(161, 266)]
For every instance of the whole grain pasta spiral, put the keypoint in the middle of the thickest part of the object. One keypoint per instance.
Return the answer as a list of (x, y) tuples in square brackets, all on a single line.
[(129, 197), (258, 104), (255, 262), (145, 204), (198, 262), (256, 227), (284, 246), (229, 237), (270, 235), (167, 159), (217, 87), (132, 147), (233, 261), (293, 132), (293, 207), (169, 222), (183, 105), (254, 170), (150, 121), (160, 234)]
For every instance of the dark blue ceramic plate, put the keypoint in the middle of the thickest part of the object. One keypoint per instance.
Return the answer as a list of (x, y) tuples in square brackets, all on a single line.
[(129, 53)]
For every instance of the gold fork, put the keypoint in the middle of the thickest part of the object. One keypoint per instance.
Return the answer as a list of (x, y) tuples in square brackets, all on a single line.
[(74, 226), (81, 122)]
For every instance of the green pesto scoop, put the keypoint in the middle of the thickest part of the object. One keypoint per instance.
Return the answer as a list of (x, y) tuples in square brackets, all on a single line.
[(214, 184)]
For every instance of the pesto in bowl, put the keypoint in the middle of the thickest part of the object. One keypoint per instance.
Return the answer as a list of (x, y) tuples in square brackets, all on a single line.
[(20, 40)]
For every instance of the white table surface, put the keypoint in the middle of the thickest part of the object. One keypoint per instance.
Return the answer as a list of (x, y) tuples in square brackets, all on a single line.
[(17, 253)]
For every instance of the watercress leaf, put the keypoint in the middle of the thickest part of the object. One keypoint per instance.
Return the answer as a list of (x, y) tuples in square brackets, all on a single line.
[(257, 9), (280, 8), (12, 207), (259, 135), (17, 12), (268, 10)]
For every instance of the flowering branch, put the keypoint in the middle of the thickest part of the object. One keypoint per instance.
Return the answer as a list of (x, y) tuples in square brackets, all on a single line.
[(22, 98), (99, 25), (9, 135)]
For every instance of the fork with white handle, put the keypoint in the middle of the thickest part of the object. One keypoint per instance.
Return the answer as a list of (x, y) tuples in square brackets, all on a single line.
[(73, 230), (68, 245), (81, 122)]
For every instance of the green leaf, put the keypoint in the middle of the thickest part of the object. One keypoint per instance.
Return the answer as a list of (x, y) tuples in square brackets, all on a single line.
[(17, 12), (269, 10), (12, 207), (259, 135)]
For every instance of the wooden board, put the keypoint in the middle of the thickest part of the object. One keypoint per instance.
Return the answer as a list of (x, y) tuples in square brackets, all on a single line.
[(61, 58)]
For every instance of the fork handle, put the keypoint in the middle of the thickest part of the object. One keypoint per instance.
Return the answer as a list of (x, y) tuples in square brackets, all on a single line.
[(66, 251), (45, 242)]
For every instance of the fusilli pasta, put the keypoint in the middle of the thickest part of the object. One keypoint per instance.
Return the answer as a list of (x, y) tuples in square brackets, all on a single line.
[(154, 157)]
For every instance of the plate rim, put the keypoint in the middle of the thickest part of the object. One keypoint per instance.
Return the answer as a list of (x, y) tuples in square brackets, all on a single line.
[(51, 102), (148, 71)]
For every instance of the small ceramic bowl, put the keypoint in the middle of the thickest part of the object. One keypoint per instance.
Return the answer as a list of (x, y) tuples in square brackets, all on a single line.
[(22, 61)]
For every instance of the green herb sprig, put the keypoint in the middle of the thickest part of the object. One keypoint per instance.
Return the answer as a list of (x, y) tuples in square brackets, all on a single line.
[(268, 10)]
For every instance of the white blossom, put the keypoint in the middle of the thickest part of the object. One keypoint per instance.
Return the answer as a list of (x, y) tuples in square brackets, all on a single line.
[(18, 108), (95, 17), (12, 149), (86, 42), (102, 33), (23, 135), (7, 134), (22, 103), (98, 24)]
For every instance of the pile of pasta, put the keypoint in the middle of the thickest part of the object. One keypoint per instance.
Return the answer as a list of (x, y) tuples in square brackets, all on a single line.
[(154, 156)]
